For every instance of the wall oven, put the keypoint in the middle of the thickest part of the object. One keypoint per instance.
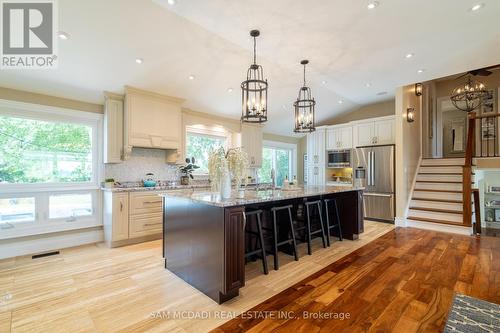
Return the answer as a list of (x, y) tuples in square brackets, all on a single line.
[(339, 158)]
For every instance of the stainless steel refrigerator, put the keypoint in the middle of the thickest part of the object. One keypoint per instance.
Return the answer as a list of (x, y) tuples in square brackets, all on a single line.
[(374, 168)]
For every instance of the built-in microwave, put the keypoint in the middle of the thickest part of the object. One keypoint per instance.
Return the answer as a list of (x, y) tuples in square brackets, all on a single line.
[(339, 158)]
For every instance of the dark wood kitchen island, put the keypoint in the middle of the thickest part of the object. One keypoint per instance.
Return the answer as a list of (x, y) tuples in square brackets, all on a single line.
[(204, 237)]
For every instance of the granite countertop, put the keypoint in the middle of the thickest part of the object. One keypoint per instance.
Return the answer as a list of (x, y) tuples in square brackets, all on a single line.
[(156, 188), (253, 196)]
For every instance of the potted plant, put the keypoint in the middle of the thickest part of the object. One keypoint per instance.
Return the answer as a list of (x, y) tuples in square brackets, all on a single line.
[(187, 170), (109, 182)]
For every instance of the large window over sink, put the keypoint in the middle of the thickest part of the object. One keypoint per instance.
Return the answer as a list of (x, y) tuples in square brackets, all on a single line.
[(49, 169), (282, 157)]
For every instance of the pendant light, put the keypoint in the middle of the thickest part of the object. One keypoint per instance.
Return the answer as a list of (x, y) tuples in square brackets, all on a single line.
[(254, 91), (304, 107), (469, 95)]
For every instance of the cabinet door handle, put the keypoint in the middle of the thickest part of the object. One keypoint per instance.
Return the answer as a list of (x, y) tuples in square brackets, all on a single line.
[(244, 221), (151, 202), (151, 224), (121, 206)]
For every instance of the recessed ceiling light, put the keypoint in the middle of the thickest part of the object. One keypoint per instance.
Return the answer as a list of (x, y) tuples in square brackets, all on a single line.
[(229, 89), (284, 107), (368, 85), (139, 60), (420, 71), (382, 93), (171, 2), (477, 7), (323, 82), (62, 35), (191, 77), (341, 101), (409, 55), (373, 4)]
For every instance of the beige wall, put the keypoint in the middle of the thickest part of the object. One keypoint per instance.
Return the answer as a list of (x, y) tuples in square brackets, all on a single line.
[(408, 146), (381, 109), (34, 98)]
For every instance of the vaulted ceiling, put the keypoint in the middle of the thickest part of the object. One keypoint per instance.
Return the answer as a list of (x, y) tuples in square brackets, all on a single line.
[(355, 53)]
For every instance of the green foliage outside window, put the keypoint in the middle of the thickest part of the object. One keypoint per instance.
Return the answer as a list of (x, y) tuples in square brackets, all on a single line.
[(199, 146), (34, 151)]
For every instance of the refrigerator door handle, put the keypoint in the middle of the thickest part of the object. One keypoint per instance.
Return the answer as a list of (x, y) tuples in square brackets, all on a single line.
[(373, 168), (369, 194), (369, 170)]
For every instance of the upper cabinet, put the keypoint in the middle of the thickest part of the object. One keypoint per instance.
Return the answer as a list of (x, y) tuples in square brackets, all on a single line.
[(113, 128), (379, 131), (151, 121), (316, 157), (339, 137), (251, 143)]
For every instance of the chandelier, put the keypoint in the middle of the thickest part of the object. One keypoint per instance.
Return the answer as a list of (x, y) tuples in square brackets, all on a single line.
[(254, 91), (304, 107), (468, 96)]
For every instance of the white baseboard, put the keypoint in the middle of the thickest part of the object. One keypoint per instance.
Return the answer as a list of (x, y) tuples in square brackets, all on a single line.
[(50, 242), (404, 223)]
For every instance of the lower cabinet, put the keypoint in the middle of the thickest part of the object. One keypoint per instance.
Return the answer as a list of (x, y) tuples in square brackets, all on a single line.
[(234, 250), (131, 217)]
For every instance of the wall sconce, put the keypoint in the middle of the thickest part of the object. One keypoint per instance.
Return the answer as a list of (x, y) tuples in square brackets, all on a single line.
[(418, 89), (410, 115)]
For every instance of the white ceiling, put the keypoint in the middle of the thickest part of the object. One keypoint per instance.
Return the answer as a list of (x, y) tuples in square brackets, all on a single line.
[(347, 45)]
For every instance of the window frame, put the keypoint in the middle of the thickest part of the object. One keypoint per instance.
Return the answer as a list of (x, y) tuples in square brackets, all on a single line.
[(42, 191)]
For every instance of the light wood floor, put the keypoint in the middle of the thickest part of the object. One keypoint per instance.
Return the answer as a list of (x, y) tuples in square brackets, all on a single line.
[(95, 289), (402, 282)]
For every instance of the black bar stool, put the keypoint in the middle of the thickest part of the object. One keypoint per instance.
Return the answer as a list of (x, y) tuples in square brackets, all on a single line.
[(291, 234), (309, 233), (260, 250), (335, 225)]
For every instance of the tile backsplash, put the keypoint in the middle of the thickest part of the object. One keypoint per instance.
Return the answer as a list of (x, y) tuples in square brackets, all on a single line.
[(142, 161)]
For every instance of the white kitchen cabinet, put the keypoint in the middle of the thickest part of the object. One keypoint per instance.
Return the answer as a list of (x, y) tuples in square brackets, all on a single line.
[(377, 131), (384, 131), (151, 121), (251, 143), (116, 218), (339, 137), (132, 217), (316, 154), (113, 128)]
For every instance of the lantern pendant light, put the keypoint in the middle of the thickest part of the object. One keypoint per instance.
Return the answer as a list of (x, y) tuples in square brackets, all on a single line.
[(304, 107), (254, 91)]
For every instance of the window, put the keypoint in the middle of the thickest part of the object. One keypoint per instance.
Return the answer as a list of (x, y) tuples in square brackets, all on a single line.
[(199, 146), (13, 210), (49, 169), (278, 156), (35, 151)]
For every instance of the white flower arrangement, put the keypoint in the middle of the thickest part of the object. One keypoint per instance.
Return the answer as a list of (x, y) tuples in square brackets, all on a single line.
[(220, 162)]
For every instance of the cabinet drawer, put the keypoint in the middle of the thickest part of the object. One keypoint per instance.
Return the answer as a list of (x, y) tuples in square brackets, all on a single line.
[(145, 203), (145, 225)]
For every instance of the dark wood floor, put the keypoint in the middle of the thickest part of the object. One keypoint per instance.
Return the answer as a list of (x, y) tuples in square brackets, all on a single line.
[(401, 282)]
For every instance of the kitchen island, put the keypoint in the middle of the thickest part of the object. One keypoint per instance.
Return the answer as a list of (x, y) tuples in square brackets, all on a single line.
[(204, 236)]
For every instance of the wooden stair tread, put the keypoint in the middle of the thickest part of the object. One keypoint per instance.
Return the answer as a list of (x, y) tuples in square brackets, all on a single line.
[(425, 219), (438, 181), (438, 210), (438, 200), (442, 165), (441, 173), (441, 191)]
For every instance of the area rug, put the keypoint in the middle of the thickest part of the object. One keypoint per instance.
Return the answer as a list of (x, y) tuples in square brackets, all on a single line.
[(471, 315)]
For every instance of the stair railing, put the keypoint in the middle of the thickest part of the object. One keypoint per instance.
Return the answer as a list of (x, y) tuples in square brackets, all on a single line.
[(467, 170)]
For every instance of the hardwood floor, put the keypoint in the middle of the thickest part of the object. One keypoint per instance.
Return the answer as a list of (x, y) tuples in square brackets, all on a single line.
[(402, 282), (95, 289)]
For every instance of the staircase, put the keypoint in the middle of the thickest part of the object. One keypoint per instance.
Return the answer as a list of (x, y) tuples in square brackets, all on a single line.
[(438, 193)]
